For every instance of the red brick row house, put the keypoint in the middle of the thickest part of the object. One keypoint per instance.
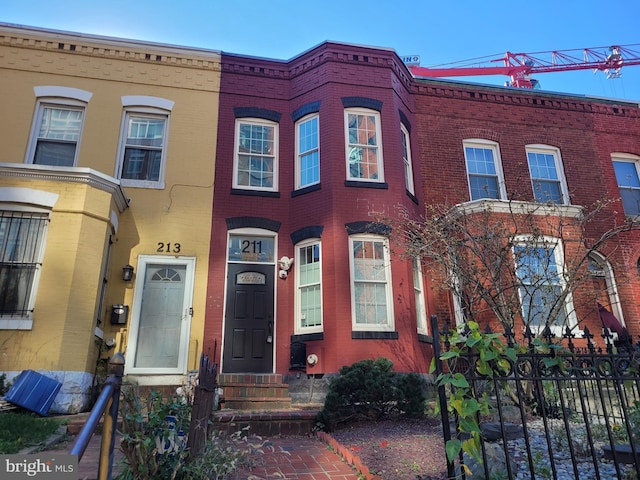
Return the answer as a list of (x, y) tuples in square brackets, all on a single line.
[(314, 153), (311, 154)]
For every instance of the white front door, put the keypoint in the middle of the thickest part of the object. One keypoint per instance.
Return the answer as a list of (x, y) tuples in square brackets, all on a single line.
[(161, 316)]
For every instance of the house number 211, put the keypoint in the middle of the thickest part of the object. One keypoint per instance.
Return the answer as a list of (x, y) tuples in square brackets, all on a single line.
[(168, 247)]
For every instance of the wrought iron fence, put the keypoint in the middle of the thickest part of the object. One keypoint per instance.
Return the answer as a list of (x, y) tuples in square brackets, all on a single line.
[(555, 412)]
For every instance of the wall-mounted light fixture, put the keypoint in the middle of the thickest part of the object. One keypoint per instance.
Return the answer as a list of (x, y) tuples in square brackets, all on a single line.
[(127, 273)]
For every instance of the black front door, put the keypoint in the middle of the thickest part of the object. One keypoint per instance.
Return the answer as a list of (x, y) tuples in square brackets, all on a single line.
[(248, 334)]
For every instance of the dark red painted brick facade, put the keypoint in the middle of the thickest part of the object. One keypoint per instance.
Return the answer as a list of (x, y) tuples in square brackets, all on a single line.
[(325, 75), (440, 116)]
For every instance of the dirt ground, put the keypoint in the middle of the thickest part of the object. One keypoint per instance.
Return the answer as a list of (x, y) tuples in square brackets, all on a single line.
[(398, 449)]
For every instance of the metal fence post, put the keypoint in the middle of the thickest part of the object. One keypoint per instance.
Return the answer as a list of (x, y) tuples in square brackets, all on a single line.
[(442, 395)]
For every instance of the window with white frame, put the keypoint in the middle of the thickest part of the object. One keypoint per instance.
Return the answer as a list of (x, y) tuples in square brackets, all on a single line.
[(307, 152), (58, 131), (308, 300), (22, 239), (626, 168), (143, 141), (484, 169), (406, 158), (418, 290), (547, 175), (256, 157), (143, 149), (543, 296), (57, 126), (371, 298), (364, 145), (604, 284)]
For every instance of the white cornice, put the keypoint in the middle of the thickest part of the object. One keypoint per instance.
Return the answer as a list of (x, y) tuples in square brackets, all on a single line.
[(517, 208), (83, 175)]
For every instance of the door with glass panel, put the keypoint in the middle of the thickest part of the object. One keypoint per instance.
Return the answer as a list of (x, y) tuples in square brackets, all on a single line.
[(249, 328), (161, 316)]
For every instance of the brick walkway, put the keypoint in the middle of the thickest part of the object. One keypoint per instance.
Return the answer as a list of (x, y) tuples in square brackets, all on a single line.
[(296, 458), (88, 466), (289, 458)]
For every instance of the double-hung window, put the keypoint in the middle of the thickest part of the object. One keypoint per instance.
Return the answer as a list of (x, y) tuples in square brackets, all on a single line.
[(57, 126), (308, 299), (418, 290), (256, 155), (406, 159), (543, 297), (364, 145), (547, 174), (143, 148), (22, 237), (307, 152), (372, 306), (143, 141), (58, 135), (484, 169), (626, 168)]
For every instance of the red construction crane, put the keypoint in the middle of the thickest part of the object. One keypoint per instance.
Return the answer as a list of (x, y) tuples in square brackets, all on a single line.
[(520, 66)]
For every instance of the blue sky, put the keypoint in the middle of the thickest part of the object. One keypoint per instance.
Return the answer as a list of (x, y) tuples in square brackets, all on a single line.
[(439, 31)]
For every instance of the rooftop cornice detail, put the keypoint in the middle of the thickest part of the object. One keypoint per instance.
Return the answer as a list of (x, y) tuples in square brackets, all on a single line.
[(524, 97), (312, 58), (108, 47), (82, 175)]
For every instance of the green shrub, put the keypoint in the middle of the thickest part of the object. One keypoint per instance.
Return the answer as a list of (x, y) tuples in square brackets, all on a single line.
[(370, 390), (154, 449), (151, 443)]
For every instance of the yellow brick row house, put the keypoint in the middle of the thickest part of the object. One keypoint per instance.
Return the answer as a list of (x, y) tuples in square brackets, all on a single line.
[(106, 189)]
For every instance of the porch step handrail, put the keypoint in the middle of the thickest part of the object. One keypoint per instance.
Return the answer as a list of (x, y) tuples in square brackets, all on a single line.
[(107, 404)]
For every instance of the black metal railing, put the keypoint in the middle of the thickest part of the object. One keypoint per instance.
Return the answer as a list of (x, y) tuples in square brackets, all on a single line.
[(558, 411), (107, 404)]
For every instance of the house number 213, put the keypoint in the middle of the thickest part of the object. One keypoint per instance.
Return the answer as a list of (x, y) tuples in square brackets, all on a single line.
[(168, 247)]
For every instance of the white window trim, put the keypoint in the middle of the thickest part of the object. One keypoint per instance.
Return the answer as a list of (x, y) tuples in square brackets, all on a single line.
[(276, 141), (62, 98), (380, 161), (421, 323), (458, 311), (487, 144), (629, 158), (558, 253), (132, 107), (298, 165), (408, 161), (555, 152), (37, 202), (147, 101), (390, 326), (299, 329), (62, 92), (612, 287)]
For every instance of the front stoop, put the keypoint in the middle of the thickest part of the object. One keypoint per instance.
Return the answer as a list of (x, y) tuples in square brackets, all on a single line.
[(267, 424), (254, 392)]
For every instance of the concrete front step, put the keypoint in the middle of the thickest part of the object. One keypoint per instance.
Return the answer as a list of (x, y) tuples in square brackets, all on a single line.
[(265, 423)]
